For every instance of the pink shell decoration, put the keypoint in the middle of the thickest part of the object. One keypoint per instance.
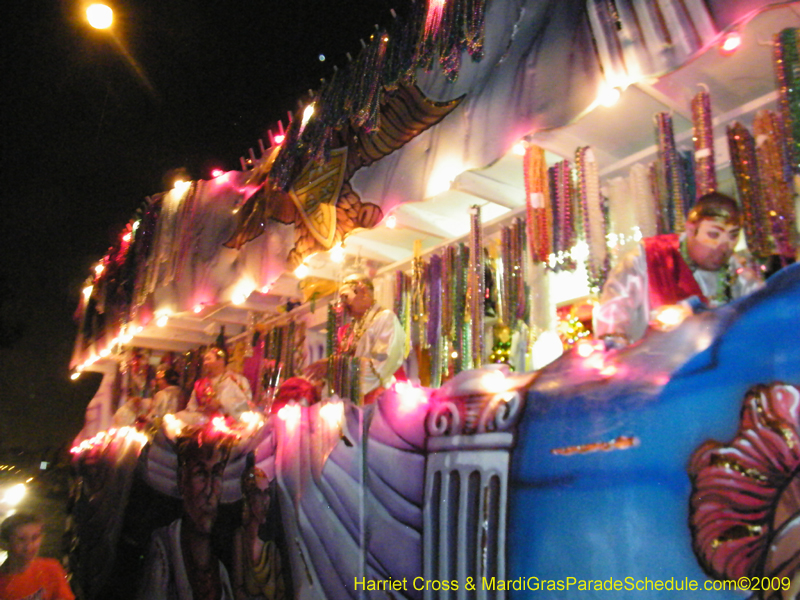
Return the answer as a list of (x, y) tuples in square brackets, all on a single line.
[(743, 491)]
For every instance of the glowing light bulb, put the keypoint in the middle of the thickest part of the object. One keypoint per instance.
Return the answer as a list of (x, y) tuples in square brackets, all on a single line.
[(519, 149), (670, 316), (609, 96), (391, 221), (217, 173), (197, 308), (239, 297), (219, 424), (301, 272), (279, 138), (308, 112), (333, 413), (75, 375), (584, 348), (290, 413), (15, 494), (337, 254), (494, 381), (162, 320), (99, 16), (127, 237), (609, 371), (410, 395), (87, 292), (730, 42), (251, 418)]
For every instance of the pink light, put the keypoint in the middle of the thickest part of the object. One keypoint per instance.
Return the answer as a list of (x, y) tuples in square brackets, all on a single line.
[(411, 397), (217, 173), (279, 138), (434, 17), (219, 424), (127, 237), (609, 371), (584, 348), (290, 413), (731, 42), (197, 308)]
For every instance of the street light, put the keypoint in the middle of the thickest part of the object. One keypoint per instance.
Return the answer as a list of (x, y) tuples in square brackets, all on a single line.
[(99, 16)]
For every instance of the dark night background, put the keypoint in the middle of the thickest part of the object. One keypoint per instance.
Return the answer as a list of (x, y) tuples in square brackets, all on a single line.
[(86, 138)]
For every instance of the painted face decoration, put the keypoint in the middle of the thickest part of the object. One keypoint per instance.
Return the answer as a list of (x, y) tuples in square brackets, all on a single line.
[(201, 489)]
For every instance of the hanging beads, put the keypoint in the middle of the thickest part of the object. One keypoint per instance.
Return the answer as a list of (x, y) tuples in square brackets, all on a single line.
[(703, 136)]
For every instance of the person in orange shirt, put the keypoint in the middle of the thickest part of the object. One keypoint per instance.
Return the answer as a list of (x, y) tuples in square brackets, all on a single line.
[(24, 575)]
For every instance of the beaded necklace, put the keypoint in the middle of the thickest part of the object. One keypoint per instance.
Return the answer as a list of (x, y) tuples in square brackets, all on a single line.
[(355, 330), (723, 292)]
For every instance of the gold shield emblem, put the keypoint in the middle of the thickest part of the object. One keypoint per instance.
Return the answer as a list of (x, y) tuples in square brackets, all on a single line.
[(315, 193)]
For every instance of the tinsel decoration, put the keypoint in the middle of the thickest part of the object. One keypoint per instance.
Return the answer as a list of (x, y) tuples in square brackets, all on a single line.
[(593, 217), (658, 191), (451, 26), (460, 320), (433, 18), (776, 188), (787, 69), (403, 35), (507, 304), (250, 333), (520, 287), (402, 305), (562, 191), (447, 332), (686, 162), (745, 169), (673, 202), (475, 289), (331, 330), (453, 33), (366, 95), (296, 336), (705, 173), (281, 346), (435, 305), (439, 28), (476, 28), (419, 296), (513, 306), (537, 200), (345, 377), (644, 203), (289, 161)]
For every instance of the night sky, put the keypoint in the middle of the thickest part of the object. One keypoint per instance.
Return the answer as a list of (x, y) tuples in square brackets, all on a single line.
[(89, 133)]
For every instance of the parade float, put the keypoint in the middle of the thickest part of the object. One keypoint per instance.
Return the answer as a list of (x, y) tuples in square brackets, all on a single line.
[(464, 161)]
